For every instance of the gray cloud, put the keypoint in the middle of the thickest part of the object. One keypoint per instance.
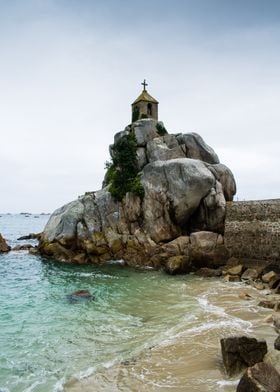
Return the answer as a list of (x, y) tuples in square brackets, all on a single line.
[(70, 70)]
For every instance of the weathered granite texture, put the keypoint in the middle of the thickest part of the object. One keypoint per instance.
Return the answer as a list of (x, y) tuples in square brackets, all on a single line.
[(252, 229), (3, 245), (178, 223)]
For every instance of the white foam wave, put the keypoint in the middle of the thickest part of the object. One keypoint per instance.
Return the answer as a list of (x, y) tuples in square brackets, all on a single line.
[(225, 383), (33, 386), (85, 373)]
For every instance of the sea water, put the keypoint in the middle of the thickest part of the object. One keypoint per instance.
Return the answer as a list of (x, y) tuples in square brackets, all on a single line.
[(48, 342)]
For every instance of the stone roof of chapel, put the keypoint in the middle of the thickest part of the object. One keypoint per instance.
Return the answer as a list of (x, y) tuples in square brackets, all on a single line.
[(145, 96)]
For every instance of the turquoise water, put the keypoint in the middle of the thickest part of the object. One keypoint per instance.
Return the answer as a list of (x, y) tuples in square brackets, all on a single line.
[(45, 339)]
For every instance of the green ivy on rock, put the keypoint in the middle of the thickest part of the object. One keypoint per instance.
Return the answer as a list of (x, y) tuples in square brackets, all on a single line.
[(122, 173)]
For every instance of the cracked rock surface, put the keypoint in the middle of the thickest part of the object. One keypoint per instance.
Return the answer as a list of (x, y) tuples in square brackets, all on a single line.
[(186, 189)]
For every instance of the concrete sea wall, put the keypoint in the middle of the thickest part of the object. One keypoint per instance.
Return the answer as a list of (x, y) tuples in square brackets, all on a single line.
[(252, 229)]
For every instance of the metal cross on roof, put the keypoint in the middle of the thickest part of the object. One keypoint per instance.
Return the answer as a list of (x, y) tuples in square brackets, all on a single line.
[(144, 84)]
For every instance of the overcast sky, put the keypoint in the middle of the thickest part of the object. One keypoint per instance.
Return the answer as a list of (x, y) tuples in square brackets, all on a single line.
[(70, 69)]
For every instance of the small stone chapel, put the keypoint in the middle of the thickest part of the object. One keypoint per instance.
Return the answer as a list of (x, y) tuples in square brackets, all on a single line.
[(145, 106)]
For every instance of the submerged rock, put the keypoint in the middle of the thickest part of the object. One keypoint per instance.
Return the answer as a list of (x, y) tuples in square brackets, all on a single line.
[(178, 265), (185, 191), (80, 295), (208, 272), (269, 304), (22, 247), (4, 247), (31, 236), (240, 352)]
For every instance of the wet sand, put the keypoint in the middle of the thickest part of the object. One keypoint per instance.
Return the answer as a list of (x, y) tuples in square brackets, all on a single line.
[(190, 360)]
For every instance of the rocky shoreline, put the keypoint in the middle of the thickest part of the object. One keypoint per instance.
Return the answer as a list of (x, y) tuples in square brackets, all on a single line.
[(262, 371), (170, 217), (246, 353), (209, 362)]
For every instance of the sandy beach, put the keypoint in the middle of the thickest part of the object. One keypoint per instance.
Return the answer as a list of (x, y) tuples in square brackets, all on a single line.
[(190, 360)]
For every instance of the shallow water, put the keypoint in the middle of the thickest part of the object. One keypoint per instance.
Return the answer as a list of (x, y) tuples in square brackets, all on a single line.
[(144, 331)]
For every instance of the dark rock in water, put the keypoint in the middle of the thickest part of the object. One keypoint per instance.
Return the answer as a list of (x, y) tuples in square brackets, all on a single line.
[(208, 272), (260, 378), (178, 265), (4, 247), (277, 289), (31, 236), (232, 278), (277, 343), (273, 266), (33, 250), (127, 362), (269, 304), (269, 276), (22, 247), (240, 352), (80, 295), (273, 284), (250, 274)]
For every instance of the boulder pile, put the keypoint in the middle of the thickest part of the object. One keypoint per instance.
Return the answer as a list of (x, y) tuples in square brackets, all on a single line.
[(176, 222)]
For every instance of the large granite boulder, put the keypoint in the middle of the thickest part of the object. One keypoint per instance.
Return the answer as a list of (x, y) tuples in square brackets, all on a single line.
[(4, 247), (185, 191), (240, 352), (173, 191), (196, 148), (260, 378), (145, 130), (207, 250), (225, 177)]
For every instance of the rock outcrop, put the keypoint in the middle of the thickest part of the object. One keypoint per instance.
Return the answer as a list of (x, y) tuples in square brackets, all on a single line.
[(240, 352), (4, 247), (179, 222), (260, 378)]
